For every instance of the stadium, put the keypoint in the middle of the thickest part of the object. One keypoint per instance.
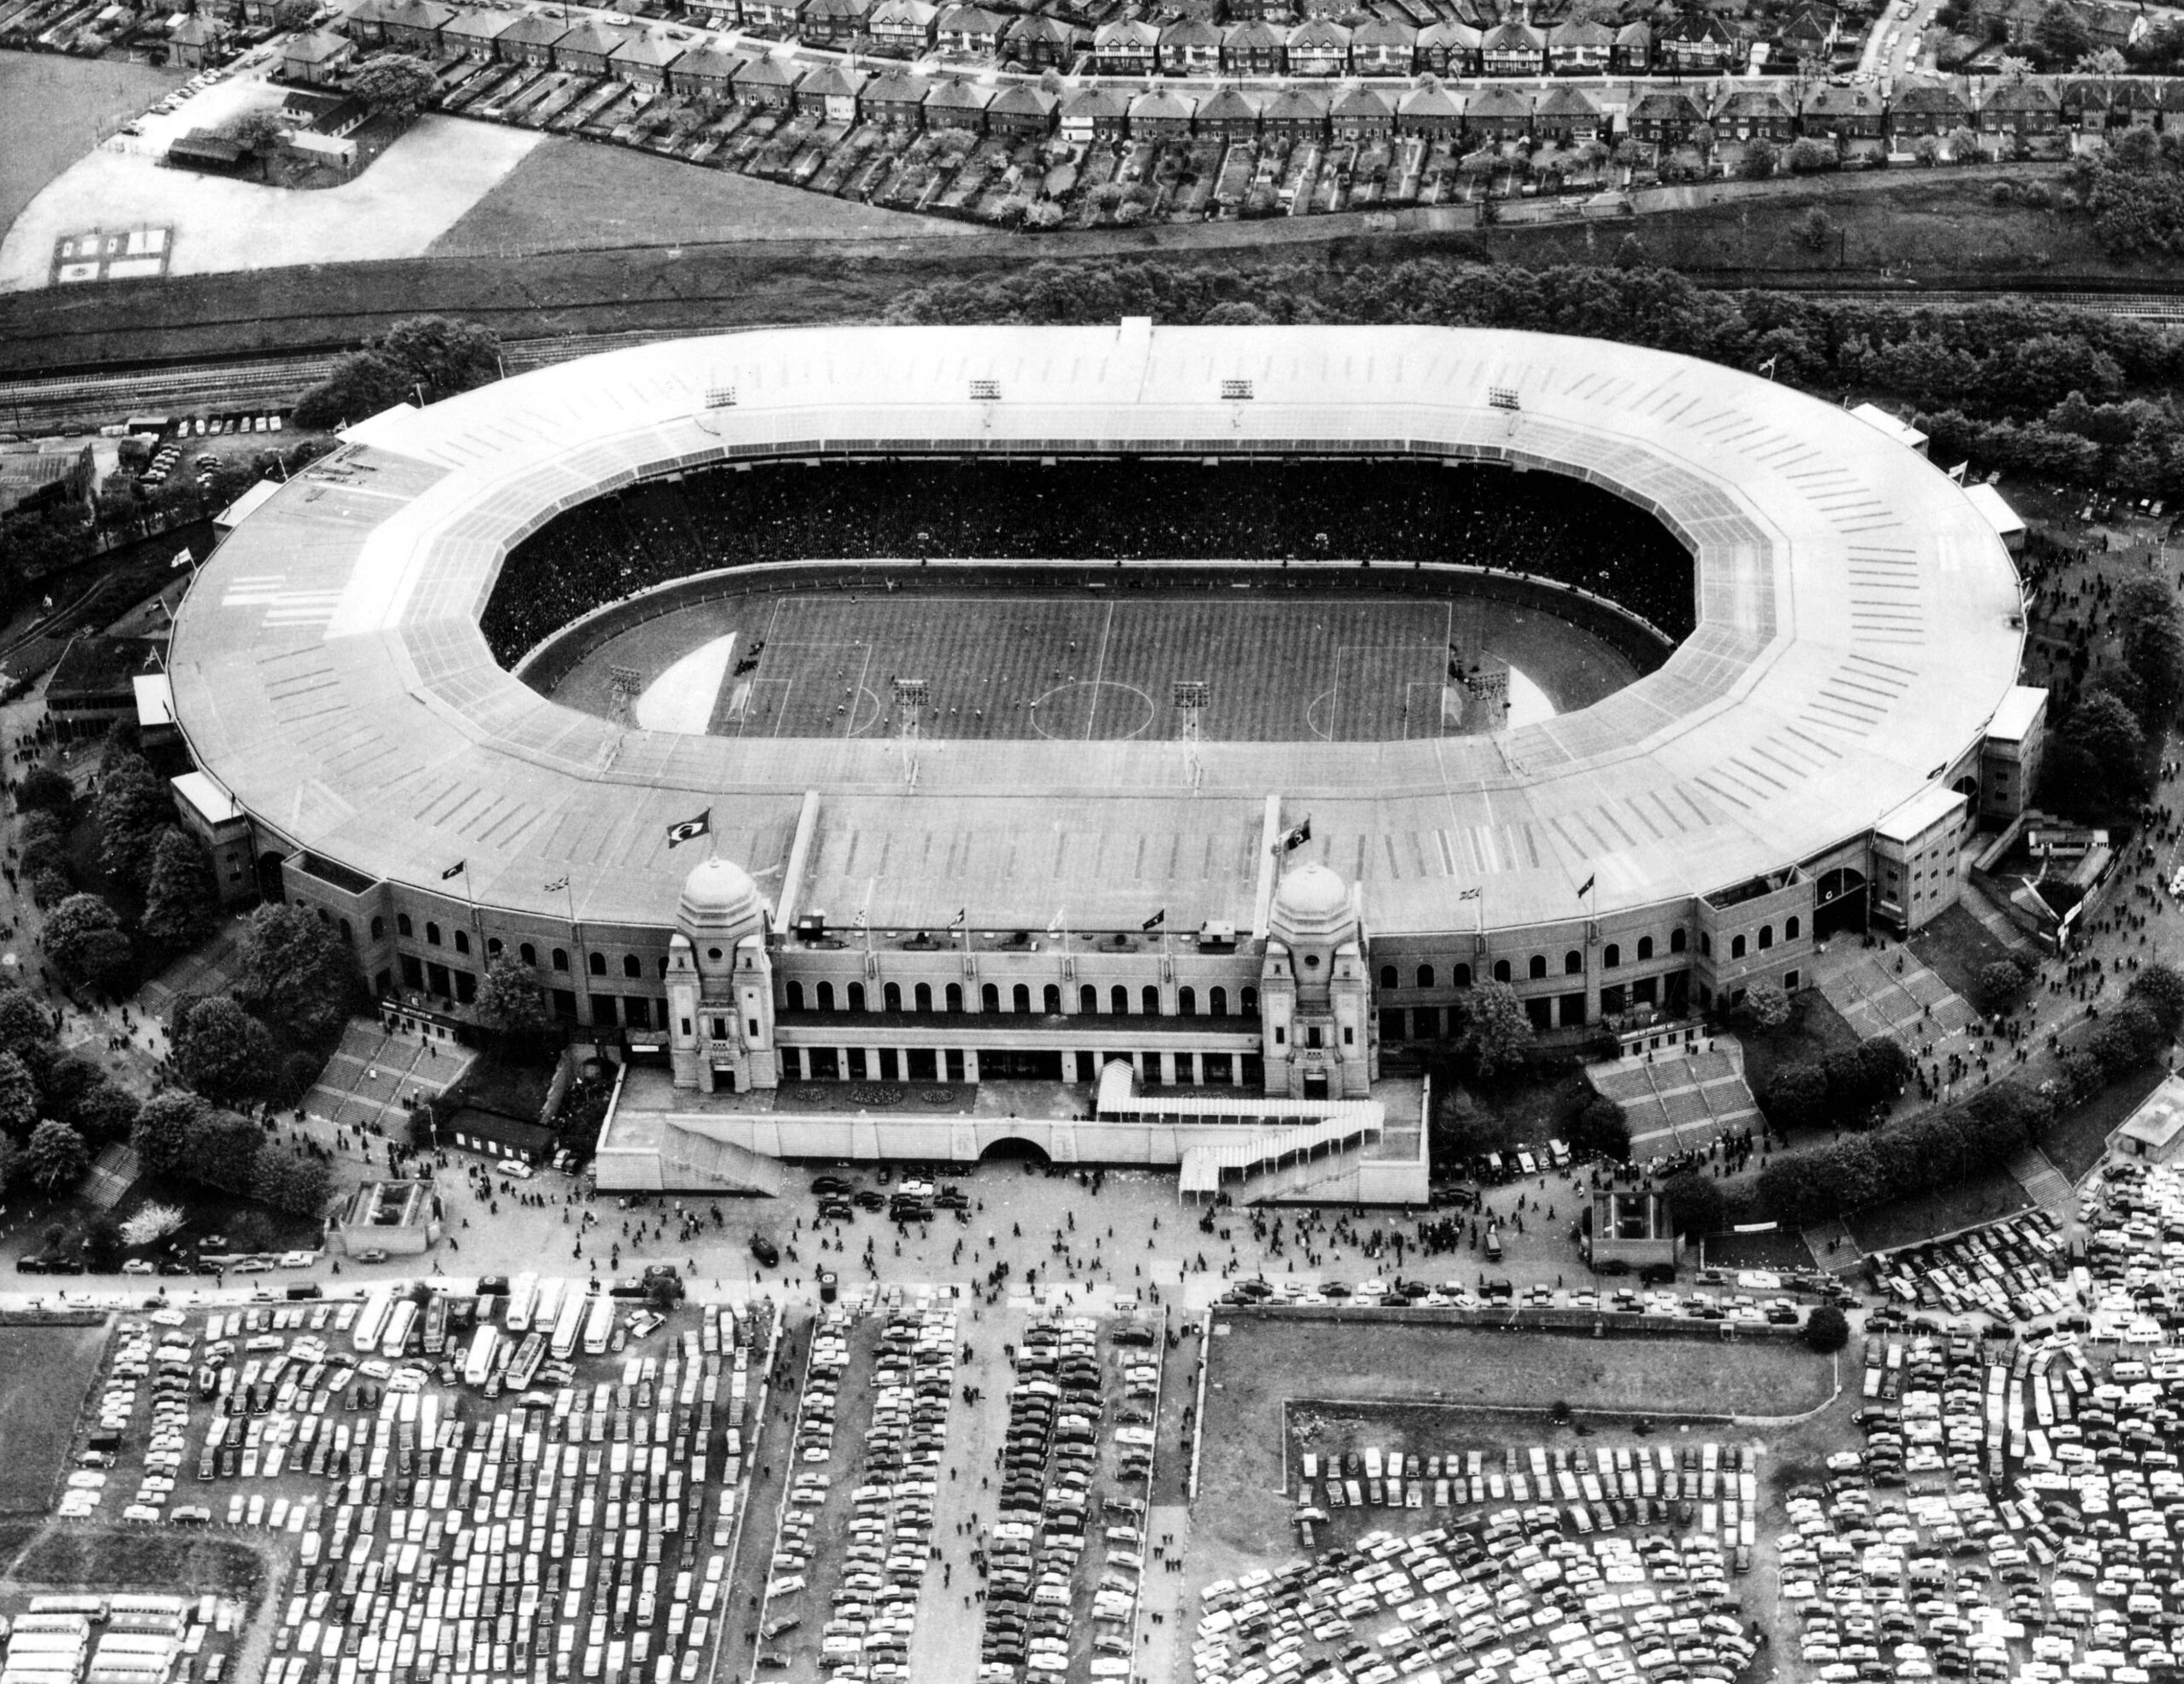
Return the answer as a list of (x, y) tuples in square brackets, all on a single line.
[(854, 729)]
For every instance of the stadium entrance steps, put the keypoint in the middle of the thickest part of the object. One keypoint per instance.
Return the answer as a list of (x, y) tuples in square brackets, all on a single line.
[(1681, 1104), (372, 1075)]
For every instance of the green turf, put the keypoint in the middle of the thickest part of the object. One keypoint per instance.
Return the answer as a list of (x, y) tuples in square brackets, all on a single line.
[(45, 1373)]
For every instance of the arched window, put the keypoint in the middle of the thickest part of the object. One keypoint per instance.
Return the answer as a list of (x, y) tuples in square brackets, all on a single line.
[(432, 934), (1611, 956), (1790, 928), (1426, 976), (1152, 998), (1187, 1002), (493, 947), (1088, 1000), (632, 966), (1705, 945), (1645, 948), (1118, 1000), (1538, 966), (1766, 936), (1388, 976), (402, 925), (462, 941), (890, 997), (1677, 941), (1736, 947), (379, 929), (989, 997), (598, 963), (921, 997), (826, 996), (1463, 976), (1050, 1000), (528, 954), (560, 959), (1020, 998), (857, 996), (795, 994), (1216, 1001), (1573, 963), (1501, 970), (1250, 1003), (953, 999)]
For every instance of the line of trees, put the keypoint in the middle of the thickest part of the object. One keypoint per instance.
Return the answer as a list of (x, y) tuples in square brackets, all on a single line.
[(1849, 1088), (426, 354), (180, 1135), (296, 983), (2099, 764), (56, 1111)]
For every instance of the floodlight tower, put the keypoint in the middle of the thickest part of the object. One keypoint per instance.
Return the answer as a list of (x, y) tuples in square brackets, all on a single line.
[(1191, 697), (625, 684), (911, 696), (1505, 398)]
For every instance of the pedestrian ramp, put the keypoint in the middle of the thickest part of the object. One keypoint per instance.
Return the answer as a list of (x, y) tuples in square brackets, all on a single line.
[(109, 1180), (374, 1077), (1679, 1105), (703, 1161)]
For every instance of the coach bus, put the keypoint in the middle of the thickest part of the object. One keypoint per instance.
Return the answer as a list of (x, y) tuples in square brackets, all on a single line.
[(521, 1296), (371, 1320), (528, 1356), (547, 1312), (568, 1326), (401, 1323), (600, 1325), (480, 1363), (436, 1326)]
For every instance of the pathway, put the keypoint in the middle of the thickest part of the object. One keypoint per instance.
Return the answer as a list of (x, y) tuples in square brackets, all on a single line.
[(2047, 1186), (372, 1075), (109, 1180), (1887, 992)]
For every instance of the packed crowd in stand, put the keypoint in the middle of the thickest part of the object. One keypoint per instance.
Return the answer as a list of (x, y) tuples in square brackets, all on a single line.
[(1543, 525)]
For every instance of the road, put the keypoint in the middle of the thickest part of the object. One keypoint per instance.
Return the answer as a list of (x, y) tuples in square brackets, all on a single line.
[(1895, 46)]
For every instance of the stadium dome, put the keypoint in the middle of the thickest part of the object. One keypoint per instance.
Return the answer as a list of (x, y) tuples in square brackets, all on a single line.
[(719, 902), (1312, 905)]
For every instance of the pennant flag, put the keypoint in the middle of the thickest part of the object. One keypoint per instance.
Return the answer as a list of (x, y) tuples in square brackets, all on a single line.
[(1294, 839), (690, 829), (454, 870), (1156, 920), (1958, 472), (1768, 368), (1054, 928), (1585, 889), (556, 886), (859, 923), (182, 558), (1471, 894), (956, 922)]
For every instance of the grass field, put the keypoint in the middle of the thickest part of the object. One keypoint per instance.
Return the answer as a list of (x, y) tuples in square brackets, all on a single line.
[(571, 192), (1411, 1375), (2080, 1137), (45, 1374), (138, 1558), (1075, 667), (51, 109), (1905, 1221)]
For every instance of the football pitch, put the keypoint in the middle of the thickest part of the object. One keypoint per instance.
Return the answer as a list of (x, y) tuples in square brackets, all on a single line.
[(1089, 665)]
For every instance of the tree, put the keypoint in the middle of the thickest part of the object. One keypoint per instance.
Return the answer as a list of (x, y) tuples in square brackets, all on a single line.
[(19, 1097), (103, 1244), (1816, 231), (361, 384), (84, 940), (1765, 1006), (1963, 145), (1927, 149), (1696, 1206), (2128, 1037), (290, 1182), (107, 1114), (1495, 1033), (446, 355), (1760, 157), (224, 1150), (42, 843), (1827, 1330), (2153, 646), (261, 134), (44, 790), (26, 1030), (395, 83), (11, 1164), (2060, 35), (1600, 1130), (1797, 1097), (296, 975), (133, 805), (180, 900), (165, 1132), (219, 1048), (2097, 765), (150, 1223), (1999, 983), (2160, 990), (510, 999), (56, 1157)]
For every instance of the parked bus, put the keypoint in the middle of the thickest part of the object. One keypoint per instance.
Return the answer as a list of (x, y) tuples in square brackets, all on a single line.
[(522, 1296), (436, 1326), (600, 1326), (547, 1309), (528, 1356), (371, 1320), (480, 1361), (568, 1326), (400, 1324)]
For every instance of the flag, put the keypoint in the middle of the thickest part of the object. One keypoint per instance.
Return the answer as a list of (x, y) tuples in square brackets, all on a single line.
[(1585, 888), (1054, 928), (454, 870), (182, 558), (1958, 472), (956, 922), (556, 886), (1156, 920), (1470, 894), (1294, 839), (860, 921), (1768, 368), (690, 829)]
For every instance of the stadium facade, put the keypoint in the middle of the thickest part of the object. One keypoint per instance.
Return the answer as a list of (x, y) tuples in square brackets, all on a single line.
[(1141, 917)]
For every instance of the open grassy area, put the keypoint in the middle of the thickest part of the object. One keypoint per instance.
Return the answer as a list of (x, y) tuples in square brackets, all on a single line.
[(1263, 1362), (45, 1373), (1957, 947), (1906, 1221), (137, 1557), (52, 112), (1815, 1030), (2079, 1137), (571, 194)]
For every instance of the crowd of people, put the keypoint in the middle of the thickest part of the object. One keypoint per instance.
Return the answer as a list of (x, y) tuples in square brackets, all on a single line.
[(1539, 524)]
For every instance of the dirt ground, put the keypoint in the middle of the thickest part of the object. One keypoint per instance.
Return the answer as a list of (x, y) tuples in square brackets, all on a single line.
[(52, 110)]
